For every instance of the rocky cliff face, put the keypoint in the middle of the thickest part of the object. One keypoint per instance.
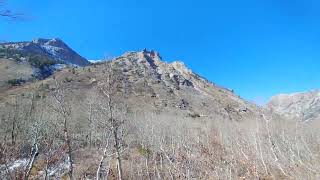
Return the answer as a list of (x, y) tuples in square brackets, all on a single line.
[(55, 49), (303, 106)]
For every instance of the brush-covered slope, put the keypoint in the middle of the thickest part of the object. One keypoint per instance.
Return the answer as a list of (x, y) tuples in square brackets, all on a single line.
[(155, 85), (174, 124)]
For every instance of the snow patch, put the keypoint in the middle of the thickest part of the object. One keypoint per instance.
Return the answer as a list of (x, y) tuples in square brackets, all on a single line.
[(18, 163), (96, 61), (51, 49), (14, 165), (59, 66), (59, 169)]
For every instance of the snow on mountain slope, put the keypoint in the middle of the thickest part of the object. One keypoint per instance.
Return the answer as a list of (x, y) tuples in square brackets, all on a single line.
[(53, 48)]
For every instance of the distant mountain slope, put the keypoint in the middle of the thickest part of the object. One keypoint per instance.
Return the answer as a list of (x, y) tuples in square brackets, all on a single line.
[(25, 61), (54, 49), (303, 106)]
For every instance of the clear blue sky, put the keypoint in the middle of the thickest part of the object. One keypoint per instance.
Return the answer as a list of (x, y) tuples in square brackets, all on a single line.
[(259, 48)]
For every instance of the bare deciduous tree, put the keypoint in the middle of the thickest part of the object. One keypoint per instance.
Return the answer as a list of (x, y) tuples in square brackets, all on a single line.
[(34, 149), (64, 110), (3, 159), (111, 89)]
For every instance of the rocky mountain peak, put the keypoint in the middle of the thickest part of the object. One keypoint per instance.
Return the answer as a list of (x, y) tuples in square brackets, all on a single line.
[(181, 67), (149, 65), (153, 60), (152, 54), (40, 41), (55, 42)]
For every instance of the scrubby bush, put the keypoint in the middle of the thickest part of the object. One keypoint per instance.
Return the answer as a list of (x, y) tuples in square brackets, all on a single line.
[(44, 86), (144, 151), (73, 71), (10, 53), (194, 115), (40, 61), (15, 82), (67, 79)]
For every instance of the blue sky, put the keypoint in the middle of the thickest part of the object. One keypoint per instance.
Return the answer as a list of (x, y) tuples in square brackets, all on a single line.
[(259, 48)]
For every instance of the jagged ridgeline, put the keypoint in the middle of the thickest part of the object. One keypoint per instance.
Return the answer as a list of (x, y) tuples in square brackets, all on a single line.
[(154, 119)]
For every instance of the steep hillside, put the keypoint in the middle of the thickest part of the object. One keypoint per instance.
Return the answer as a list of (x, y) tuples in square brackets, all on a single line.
[(159, 86), (162, 121)]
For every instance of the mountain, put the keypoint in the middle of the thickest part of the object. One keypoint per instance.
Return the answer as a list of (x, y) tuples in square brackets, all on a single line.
[(172, 87), (170, 122), (55, 49), (152, 86), (303, 106), (24, 61)]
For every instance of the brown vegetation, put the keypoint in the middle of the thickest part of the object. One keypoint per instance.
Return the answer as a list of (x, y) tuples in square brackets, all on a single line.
[(106, 123)]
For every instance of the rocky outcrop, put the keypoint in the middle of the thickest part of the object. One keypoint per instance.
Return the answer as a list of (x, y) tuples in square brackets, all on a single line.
[(303, 106), (175, 85)]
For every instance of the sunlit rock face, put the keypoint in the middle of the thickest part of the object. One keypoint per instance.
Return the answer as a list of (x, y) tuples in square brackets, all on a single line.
[(304, 106)]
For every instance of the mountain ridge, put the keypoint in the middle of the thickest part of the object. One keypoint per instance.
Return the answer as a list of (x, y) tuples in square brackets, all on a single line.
[(26, 61), (164, 110), (54, 48)]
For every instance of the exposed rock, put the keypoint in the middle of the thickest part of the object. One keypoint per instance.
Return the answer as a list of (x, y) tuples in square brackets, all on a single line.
[(184, 104), (176, 86), (303, 106)]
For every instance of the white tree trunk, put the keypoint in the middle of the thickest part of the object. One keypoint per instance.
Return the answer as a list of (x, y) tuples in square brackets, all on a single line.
[(34, 153)]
